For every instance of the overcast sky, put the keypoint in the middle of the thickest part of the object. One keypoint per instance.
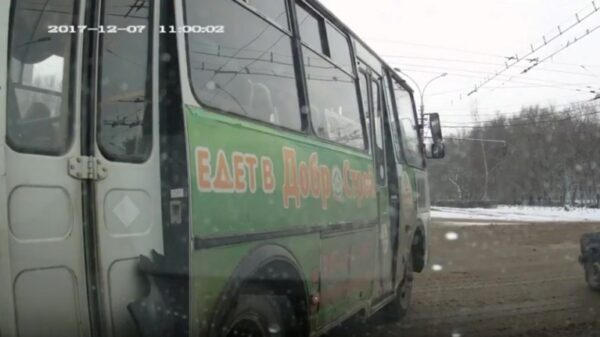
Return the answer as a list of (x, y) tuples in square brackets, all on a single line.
[(469, 39)]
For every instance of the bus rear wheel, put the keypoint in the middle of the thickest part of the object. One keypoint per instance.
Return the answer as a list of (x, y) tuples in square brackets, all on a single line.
[(259, 316)]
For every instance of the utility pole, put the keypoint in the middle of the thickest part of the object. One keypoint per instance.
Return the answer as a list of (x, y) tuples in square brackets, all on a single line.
[(485, 196), (421, 92)]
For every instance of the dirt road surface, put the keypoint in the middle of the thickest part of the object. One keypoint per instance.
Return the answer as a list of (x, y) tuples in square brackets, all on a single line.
[(500, 280)]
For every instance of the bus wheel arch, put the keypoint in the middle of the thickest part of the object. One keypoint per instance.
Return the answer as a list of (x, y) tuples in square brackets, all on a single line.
[(271, 271), (418, 249)]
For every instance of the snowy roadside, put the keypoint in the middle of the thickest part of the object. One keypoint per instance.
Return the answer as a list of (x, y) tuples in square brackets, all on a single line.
[(515, 214)]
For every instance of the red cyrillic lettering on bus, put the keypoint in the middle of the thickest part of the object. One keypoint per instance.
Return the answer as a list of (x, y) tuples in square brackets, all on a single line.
[(304, 177), (354, 177), (268, 178), (365, 185), (251, 163), (346, 177), (325, 186), (315, 180), (371, 190), (223, 181), (360, 188), (239, 172), (203, 170), (290, 178)]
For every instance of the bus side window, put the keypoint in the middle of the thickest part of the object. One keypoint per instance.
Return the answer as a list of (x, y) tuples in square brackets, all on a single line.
[(310, 26), (379, 141), (408, 127), (335, 92), (248, 69), (392, 118), (125, 95), (364, 92), (39, 111), (330, 80), (338, 48), (274, 10)]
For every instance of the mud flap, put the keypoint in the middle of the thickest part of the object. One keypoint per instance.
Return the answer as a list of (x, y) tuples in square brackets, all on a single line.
[(163, 312)]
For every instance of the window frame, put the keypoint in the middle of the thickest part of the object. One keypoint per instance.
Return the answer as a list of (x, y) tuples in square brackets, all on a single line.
[(397, 145), (354, 75), (254, 10), (367, 130), (74, 67), (346, 37), (150, 80), (303, 130), (393, 80), (307, 128), (323, 21), (375, 81), (320, 21)]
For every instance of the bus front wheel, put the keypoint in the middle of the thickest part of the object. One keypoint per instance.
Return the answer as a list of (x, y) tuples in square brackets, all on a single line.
[(259, 316), (592, 275), (398, 308)]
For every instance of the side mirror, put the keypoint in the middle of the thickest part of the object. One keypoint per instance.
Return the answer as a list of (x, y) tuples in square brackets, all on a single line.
[(436, 128), (438, 149)]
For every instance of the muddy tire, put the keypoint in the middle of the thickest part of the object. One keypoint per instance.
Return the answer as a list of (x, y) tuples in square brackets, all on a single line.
[(260, 316), (396, 310), (592, 276)]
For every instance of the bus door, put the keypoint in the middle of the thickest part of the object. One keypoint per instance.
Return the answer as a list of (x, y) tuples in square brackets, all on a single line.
[(41, 203), (386, 252), (125, 147), (371, 88), (395, 167), (82, 177)]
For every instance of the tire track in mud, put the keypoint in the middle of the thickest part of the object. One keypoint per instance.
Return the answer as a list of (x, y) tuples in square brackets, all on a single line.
[(496, 311), (499, 281), (475, 284)]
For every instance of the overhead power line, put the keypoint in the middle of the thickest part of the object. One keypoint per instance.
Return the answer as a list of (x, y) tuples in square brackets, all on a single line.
[(433, 47), (528, 83), (567, 45), (430, 60), (552, 121), (452, 60), (496, 141), (524, 106), (516, 59), (532, 81)]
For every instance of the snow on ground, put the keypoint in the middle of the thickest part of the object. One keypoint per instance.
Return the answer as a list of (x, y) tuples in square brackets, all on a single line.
[(516, 214)]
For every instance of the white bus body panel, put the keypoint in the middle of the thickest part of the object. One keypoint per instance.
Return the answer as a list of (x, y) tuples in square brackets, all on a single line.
[(7, 318), (43, 288), (43, 285)]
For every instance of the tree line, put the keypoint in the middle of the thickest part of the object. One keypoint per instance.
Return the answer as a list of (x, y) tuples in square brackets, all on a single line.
[(549, 156)]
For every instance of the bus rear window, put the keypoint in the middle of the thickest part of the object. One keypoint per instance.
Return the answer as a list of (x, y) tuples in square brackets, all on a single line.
[(39, 113)]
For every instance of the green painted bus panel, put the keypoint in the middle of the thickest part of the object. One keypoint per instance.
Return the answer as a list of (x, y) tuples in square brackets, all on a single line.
[(348, 272), (212, 268), (250, 178)]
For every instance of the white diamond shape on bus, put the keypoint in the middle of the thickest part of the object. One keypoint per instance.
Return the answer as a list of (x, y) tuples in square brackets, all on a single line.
[(126, 211)]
